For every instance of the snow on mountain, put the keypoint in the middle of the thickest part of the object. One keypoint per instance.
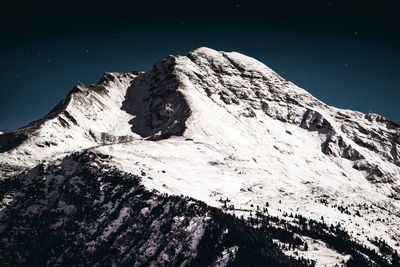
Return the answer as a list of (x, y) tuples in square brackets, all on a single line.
[(86, 213), (254, 138), (223, 127), (89, 116)]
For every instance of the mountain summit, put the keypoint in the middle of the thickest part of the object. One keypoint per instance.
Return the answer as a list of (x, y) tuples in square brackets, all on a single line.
[(217, 127)]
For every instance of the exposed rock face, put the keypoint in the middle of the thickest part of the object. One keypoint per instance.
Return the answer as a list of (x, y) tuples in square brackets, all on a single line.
[(212, 125), (230, 79), (159, 108)]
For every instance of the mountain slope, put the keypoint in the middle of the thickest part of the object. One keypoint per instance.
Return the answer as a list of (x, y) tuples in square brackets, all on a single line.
[(222, 127), (82, 211), (103, 215), (89, 116)]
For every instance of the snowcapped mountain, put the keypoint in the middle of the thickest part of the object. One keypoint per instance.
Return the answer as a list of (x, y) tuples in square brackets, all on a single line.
[(219, 128)]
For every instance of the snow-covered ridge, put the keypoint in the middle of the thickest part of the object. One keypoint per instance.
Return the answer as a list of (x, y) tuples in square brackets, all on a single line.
[(245, 87), (224, 125), (88, 116), (156, 104)]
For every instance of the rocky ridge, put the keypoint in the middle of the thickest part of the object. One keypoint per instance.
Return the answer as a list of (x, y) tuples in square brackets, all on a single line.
[(219, 126)]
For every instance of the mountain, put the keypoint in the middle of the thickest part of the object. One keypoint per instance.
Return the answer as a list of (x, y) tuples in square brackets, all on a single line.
[(200, 138)]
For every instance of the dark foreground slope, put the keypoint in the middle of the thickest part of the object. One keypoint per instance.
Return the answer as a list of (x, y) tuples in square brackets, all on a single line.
[(80, 212)]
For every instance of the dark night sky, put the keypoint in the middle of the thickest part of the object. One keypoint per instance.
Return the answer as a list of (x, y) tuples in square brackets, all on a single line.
[(346, 54)]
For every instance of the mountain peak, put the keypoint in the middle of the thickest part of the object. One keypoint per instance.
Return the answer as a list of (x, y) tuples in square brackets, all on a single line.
[(180, 95), (223, 127), (204, 52), (222, 59)]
